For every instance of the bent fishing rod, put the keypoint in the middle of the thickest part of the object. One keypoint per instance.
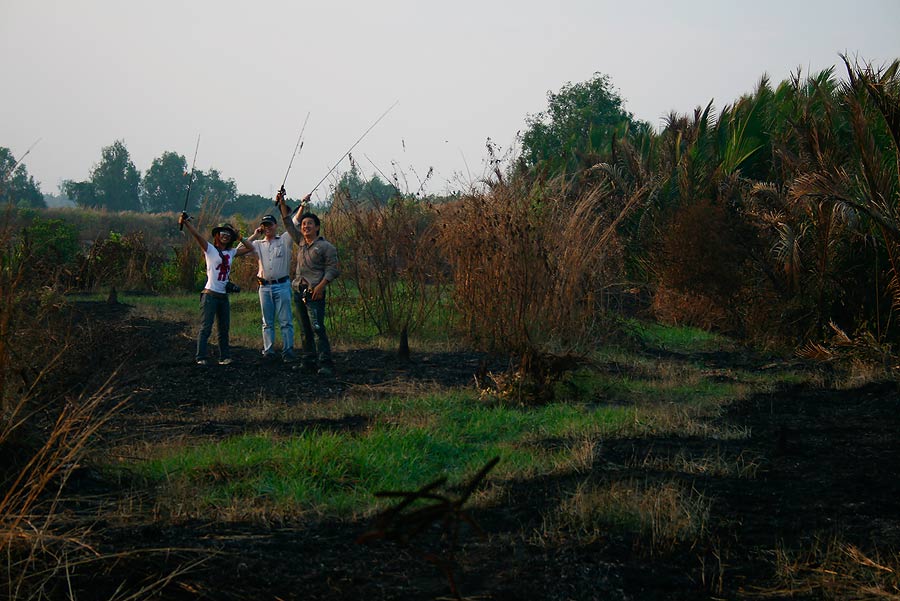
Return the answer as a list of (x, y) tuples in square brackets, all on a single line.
[(297, 150), (349, 150), (190, 183)]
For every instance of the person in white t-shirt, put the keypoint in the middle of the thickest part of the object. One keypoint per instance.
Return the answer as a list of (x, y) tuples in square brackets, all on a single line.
[(214, 305)]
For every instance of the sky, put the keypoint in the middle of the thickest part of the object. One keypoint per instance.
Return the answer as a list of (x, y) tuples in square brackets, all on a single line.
[(243, 76)]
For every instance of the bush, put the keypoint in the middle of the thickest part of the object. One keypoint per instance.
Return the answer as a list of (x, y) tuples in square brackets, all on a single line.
[(120, 260), (50, 246), (529, 272), (389, 251)]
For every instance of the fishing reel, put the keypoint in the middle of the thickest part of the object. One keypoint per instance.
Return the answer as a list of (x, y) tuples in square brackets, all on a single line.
[(282, 193)]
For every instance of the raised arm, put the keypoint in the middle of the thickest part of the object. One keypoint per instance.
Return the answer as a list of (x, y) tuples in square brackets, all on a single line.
[(289, 226), (184, 219), (246, 246)]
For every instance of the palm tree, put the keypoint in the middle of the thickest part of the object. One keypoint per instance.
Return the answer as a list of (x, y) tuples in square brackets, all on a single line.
[(857, 180)]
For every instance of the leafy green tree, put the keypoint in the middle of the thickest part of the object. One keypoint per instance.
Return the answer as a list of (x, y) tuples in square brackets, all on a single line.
[(248, 205), (374, 192), (114, 183), (351, 183), (210, 187), (16, 185), (83, 193), (580, 119), (378, 190), (164, 185)]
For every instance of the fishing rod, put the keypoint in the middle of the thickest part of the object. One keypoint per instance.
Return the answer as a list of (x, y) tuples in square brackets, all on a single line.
[(349, 150), (386, 178), (190, 182), (297, 150), (22, 158)]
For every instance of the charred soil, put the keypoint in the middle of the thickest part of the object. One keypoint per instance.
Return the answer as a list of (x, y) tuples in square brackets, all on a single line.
[(827, 469)]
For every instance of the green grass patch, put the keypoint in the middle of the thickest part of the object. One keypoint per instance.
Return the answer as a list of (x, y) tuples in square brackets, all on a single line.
[(678, 339), (411, 443)]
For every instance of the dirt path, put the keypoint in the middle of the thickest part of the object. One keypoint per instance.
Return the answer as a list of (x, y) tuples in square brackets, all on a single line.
[(827, 468)]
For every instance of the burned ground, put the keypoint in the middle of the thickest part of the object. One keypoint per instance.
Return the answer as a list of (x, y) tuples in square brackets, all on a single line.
[(827, 460)]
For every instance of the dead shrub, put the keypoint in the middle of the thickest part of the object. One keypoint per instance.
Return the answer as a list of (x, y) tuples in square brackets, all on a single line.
[(701, 268), (389, 252), (673, 306), (532, 382), (532, 267), (855, 359), (530, 272)]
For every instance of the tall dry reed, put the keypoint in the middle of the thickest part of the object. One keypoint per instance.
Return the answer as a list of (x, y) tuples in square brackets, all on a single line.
[(531, 266)]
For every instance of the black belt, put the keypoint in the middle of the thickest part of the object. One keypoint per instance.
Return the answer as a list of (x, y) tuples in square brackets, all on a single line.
[(263, 282)]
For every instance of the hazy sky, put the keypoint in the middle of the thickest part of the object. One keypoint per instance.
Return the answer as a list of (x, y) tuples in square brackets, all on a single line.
[(80, 74)]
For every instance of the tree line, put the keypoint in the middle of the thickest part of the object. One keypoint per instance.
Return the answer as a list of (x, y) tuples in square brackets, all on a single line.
[(115, 184)]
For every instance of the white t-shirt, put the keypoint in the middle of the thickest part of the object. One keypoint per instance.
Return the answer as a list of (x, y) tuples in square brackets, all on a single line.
[(218, 268)]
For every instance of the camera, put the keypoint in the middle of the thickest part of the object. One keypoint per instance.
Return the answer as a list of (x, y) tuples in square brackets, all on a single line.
[(231, 287)]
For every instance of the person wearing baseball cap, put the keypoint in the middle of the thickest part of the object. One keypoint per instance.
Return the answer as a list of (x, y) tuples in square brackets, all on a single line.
[(214, 304), (317, 266), (273, 274)]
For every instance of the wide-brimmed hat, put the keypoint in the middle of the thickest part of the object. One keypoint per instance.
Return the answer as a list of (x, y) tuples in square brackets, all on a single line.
[(268, 219), (222, 227)]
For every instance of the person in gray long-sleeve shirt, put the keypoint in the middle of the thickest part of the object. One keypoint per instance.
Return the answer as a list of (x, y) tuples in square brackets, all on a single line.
[(317, 266)]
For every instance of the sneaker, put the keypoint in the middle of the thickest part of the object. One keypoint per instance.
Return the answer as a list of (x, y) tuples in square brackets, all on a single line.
[(202, 362), (325, 371), (305, 368), (269, 357), (288, 358), (226, 361)]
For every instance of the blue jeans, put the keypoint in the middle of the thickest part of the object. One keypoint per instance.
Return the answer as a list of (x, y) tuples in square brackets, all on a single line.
[(218, 309), (275, 302), (312, 322)]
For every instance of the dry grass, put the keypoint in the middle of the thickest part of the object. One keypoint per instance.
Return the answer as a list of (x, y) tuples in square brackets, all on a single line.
[(671, 420), (661, 515), (712, 463), (44, 436), (834, 569), (37, 553)]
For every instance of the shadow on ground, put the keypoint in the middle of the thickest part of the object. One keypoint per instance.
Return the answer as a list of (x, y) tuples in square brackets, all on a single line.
[(827, 468)]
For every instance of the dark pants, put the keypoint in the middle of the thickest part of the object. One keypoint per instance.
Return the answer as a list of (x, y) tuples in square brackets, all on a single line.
[(218, 309), (312, 327)]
